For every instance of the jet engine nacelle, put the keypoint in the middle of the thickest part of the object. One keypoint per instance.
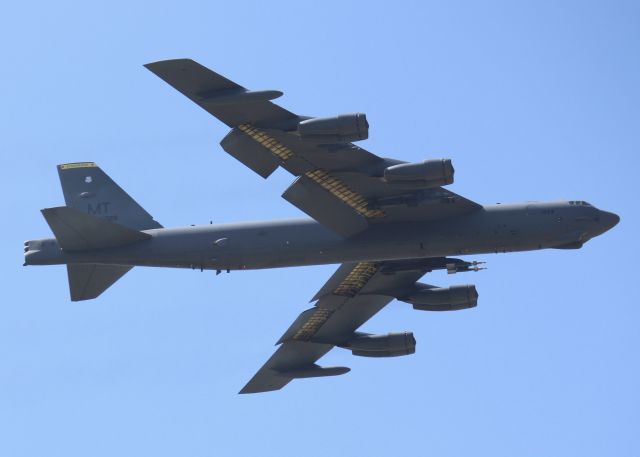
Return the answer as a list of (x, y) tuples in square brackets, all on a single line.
[(422, 175), (444, 298), (389, 345), (337, 129)]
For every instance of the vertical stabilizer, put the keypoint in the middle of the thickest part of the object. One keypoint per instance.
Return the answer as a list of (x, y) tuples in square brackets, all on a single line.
[(89, 189)]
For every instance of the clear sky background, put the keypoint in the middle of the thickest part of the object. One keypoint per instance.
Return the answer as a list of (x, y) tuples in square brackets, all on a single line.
[(532, 100)]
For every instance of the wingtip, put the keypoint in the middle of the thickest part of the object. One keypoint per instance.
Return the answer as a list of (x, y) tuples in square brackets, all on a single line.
[(150, 65), (245, 391)]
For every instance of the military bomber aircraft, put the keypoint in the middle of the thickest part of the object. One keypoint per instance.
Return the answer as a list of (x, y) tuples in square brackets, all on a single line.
[(387, 222)]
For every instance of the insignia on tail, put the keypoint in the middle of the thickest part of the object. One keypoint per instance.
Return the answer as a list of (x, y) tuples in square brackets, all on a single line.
[(98, 215), (89, 189)]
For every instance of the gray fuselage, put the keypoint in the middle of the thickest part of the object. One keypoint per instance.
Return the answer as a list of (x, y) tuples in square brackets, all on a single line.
[(257, 245)]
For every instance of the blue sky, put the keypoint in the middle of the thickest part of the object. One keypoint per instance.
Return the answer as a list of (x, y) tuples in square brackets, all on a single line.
[(531, 100)]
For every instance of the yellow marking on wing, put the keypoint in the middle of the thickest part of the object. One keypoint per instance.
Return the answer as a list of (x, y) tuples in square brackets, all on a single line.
[(349, 287), (356, 279), (344, 193), (311, 327), (268, 142), (332, 184), (68, 166)]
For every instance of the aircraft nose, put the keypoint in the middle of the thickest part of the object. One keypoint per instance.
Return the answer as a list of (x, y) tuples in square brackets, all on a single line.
[(608, 220)]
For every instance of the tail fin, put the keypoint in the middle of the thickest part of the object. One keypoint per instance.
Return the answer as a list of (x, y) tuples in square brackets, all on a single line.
[(90, 190), (76, 231)]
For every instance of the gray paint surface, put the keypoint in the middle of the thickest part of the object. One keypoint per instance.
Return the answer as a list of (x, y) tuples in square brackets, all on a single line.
[(387, 223), (257, 245)]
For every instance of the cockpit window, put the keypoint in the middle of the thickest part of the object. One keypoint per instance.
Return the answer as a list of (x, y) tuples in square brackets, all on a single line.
[(579, 203)]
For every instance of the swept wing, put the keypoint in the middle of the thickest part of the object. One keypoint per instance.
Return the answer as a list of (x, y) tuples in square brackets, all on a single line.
[(337, 183), (354, 293)]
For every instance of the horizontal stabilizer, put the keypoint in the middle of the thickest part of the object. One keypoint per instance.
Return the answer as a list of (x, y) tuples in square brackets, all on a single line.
[(88, 281), (77, 231)]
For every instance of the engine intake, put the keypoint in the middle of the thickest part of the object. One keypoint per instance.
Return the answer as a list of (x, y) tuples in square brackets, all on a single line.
[(337, 129), (443, 298), (389, 345), (422, 175)]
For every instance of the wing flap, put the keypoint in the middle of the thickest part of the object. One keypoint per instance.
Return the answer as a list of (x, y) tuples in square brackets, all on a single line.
[(324, 207), (335, 280), (302, 318), (249, 152)]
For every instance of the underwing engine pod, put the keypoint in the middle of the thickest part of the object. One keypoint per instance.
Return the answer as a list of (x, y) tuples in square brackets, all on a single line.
[(336, 129), (389, 345), (420, 175), (451, 298)]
